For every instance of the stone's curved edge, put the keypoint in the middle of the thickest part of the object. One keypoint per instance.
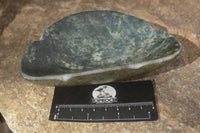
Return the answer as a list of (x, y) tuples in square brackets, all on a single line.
[(41, 37), (66, 77), (136, 66)]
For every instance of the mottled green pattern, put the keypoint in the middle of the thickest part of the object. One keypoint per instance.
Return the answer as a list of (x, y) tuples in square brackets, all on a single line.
[(96, 40)]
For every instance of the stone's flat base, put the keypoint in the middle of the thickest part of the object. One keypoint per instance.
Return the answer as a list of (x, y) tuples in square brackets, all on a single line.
[(97, 46), (26, 106)]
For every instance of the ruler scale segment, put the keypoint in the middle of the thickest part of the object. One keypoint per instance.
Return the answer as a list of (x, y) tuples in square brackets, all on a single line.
[(111, 102)]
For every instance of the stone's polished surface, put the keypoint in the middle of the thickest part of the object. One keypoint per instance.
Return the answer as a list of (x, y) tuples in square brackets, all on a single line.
[(97, 47)]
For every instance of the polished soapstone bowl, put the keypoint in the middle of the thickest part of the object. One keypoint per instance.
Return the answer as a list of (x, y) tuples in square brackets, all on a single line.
[(97, 47)]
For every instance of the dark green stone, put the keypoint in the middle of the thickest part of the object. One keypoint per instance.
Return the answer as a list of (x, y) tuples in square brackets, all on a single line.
[(96, 47)]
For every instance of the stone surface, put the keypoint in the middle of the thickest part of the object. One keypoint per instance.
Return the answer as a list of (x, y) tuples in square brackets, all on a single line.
[(26, 106), (97, 46)]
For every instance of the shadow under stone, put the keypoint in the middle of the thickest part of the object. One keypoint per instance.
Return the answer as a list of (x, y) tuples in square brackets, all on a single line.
[(3, 126)]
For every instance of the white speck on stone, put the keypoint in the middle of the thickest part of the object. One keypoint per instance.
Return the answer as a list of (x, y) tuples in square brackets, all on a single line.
[(181, 124), (41, 38), (163, 116), (97, 56), (169, 127)]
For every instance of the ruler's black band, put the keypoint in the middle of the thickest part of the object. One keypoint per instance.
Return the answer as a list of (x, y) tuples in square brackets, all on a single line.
[(134, 101)]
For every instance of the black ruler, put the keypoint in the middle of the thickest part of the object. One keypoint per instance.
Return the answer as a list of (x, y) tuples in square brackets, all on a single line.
[(110, 102)]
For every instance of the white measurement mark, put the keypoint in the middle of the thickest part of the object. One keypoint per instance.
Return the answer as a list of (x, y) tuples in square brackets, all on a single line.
[(134, 117), (88, 116), (93, 109), (149, 113), (129, 108), (72, 117), (102, 117), (57, 113), (106, 109), (82, 110), (117, 108), (54, 117), (56, 106), (58, 109), (118, 115), (141, 107), (70, 109), (152, 107)]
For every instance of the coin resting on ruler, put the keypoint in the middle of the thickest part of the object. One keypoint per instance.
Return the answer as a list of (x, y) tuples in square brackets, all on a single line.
[(113, 102)]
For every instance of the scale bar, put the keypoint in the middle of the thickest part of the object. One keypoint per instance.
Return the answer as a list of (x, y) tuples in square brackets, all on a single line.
[(103, 119), (135, 102), (104, 105)]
